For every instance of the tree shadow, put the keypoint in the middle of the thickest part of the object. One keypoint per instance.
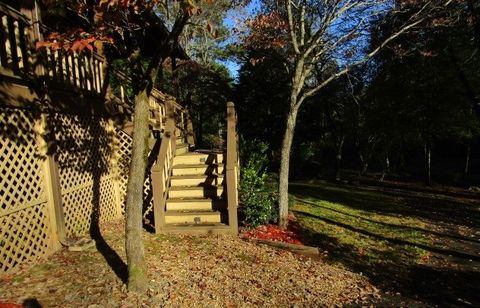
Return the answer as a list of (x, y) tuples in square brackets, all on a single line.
[(442, 211), (392, 271)]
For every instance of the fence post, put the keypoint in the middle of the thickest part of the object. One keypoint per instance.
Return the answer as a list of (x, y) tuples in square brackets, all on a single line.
[(52, 185)]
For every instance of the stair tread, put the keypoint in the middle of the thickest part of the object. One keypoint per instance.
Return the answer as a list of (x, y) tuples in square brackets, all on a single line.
[(196, 176), (182, 166), (199, 154), (190, 199), (190, 212), (190, 187), (204, 224)]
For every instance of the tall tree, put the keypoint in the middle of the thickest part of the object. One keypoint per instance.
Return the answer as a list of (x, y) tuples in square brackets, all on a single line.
[(312, 34)]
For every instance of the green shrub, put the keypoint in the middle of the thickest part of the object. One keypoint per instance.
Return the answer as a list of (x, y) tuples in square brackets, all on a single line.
[(258, 192)]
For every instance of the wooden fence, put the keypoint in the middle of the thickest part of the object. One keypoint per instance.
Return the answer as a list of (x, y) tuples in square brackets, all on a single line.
[(61, 169)]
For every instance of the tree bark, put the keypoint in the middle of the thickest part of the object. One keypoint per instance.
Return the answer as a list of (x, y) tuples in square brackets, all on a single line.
[(467, 164), (338, 157), (428, 162), (386, 169), (284, 166), (137, 273)]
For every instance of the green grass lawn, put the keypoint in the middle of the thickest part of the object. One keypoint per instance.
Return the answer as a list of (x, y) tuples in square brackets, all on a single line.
[(364, 230), (421, 242)]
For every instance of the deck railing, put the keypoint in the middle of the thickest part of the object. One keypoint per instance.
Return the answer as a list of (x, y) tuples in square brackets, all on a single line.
[(66, 70)]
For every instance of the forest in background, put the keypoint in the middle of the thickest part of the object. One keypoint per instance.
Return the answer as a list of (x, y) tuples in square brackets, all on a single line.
[(411, 112)]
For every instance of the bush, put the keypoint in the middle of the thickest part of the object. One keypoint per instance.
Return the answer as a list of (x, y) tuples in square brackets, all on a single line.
[(258, 193)]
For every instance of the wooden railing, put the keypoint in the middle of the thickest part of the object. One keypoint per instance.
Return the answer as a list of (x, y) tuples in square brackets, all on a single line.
[(84, 72), (162, 170), (232, 172), (14, 29)]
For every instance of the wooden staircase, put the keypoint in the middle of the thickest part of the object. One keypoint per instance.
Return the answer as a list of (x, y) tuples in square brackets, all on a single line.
[(191, 188)]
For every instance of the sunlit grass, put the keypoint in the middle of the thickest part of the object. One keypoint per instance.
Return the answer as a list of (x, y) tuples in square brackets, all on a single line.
[(359, 228)]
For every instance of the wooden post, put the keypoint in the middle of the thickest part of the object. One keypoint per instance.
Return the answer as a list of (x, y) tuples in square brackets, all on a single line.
[(52, 185), (231, 168), (190, 132), (159, 181)]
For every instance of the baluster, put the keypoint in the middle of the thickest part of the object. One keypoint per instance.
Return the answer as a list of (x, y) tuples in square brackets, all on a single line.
[(88, 73), (3, 36), (23, 46), (13, 43), (76, 70), (94, 75), (70, 69), (98, 77), (101, 73)]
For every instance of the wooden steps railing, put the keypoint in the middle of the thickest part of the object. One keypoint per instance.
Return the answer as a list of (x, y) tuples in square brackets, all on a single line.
[(85, 74)]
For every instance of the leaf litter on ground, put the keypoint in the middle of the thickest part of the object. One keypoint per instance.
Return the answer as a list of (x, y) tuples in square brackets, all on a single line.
[(201, 271)]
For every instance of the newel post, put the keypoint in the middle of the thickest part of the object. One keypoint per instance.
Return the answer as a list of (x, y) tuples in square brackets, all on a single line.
[(232, 168), (160, 171)]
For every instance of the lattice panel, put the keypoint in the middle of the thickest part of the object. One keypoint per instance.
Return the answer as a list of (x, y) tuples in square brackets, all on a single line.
[(78, 214), (21, 180), (125, 152), (85, 149), (108, 209), (147, 196), (24, 223)]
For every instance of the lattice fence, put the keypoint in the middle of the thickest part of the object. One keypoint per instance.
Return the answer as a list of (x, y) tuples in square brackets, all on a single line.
[(125, 149), (85, 149), (25, 232), (88, 152)]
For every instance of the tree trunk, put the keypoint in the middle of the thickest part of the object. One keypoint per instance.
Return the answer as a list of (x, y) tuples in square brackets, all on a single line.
[(386, 169), (428, 162), (467, 164), (137, 274), (338, 157), (284, 167)]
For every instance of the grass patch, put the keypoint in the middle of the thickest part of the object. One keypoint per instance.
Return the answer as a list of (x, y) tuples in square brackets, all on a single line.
[(363, 230)]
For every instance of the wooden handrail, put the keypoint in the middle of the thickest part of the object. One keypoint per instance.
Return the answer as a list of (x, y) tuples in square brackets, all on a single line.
[(17, 15), (232, 169), (162, 170)]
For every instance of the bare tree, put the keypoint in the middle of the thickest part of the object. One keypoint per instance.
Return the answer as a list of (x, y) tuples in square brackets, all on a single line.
[(326, 31)]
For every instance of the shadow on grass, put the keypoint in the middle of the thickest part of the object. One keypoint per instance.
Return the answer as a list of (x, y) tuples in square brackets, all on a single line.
[(386, 203), (393, 226), (394, 271), (449, 278)]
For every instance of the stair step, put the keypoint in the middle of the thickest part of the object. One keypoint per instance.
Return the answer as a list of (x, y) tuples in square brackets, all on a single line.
[(181, 149), (186, 169), (197, 180), (180, 140), (187, 204), (205, 228), (213, 192), (198, 158), (192, 217)]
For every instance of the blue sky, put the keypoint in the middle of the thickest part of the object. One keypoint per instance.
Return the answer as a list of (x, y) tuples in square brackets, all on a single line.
[(230, 22)]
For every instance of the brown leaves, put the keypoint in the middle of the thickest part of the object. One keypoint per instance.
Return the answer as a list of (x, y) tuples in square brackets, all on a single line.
[(189, 271), (267, 31), (76, 41)]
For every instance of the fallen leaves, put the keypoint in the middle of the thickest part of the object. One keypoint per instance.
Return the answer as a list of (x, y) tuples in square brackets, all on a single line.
[(190, 271)]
